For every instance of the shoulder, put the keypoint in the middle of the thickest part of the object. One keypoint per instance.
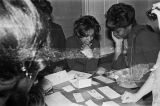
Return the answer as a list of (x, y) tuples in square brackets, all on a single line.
[(147, 37), (145, 33)]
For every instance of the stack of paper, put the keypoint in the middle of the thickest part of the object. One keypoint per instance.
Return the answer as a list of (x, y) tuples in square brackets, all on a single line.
[(109, 92), (57, 99)]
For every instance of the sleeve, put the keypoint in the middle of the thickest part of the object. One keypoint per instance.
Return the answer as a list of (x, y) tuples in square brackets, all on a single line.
[(119, 63), (106, 61)]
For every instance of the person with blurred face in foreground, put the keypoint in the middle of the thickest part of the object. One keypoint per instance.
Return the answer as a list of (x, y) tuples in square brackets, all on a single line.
[(152, 84), (19, 63)]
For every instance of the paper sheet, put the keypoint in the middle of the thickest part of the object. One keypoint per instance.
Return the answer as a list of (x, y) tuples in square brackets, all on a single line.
[(90, 103), (110, 103), (95, 83), (57, 99), (79, 75), (78, 97), (81, 83), (109, 92), (104, 79), (58, 77), (95, 94), (68, 88)]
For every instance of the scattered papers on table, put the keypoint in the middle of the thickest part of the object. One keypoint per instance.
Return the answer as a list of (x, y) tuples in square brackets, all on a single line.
[(95, 83), (109, 92), (110, 103), (58, 77), (95, 94), (68, 88), (57, 99), (90, 103), (79, 75), (78, 97), (81, 83), (104, 79)]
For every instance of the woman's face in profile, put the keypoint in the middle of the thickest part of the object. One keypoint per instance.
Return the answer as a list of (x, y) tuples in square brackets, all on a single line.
[(89, 36)]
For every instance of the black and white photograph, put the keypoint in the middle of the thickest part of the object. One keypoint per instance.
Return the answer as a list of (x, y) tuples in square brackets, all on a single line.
[(79, 52)]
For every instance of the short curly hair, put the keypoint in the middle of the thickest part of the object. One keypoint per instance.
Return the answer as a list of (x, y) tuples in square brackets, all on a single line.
[(85, 23), (120, 15)]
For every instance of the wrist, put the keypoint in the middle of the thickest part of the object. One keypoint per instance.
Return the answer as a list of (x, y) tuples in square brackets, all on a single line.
[(118, 49)]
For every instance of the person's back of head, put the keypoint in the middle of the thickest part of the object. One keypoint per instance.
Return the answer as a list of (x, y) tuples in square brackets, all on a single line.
[(19, 29), (120, 16)]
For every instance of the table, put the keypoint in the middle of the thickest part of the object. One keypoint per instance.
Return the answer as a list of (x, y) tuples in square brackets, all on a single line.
[(86, 96)]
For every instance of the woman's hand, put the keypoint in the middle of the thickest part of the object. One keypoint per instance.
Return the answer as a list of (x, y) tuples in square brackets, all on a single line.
[(87, 51), (118, 41), (101, 71), (128, 97), (118, 46)]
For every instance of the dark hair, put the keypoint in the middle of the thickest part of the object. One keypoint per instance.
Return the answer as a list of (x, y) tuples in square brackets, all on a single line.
[(44, 6), (17, 35), (20, 26), (85, 23), (120, 16)]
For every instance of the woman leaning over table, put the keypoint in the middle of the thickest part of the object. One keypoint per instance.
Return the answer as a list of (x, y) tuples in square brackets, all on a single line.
[(85, 41), (153, 82)]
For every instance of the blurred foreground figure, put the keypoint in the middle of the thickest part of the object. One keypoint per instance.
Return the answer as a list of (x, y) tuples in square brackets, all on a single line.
[(19, 64)]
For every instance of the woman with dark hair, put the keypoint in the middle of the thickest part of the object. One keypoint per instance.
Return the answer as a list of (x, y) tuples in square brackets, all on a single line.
[(86, 41), (19, 61)]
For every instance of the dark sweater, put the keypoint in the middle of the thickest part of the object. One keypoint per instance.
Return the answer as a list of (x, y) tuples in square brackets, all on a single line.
[(143, 48), (81, 64)]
